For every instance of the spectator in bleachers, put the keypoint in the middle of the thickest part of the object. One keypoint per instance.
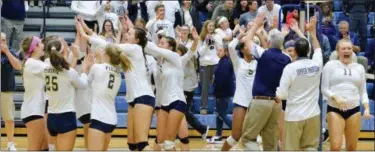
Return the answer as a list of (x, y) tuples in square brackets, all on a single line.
[(225, 9), (328, 28), (137, 10), (358, 11), (120, 7), (271, 9), (370, 49), (13, 15), (241, 7), (188, 15), (9, 62), (223, 33), (251, 14), (32, 3), (171, 9), (88, 10), (104, 13), (160, 23), (208, 60), (108, 31), (344, 33)]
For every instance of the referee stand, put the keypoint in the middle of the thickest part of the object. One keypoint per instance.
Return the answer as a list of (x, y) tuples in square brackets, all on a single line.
[(304, 15)]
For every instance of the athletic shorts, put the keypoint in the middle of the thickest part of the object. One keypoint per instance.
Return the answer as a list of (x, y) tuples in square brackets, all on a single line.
[(106, 128), (7, 106), (344, 114), (85, 119), (31, 118), (61, 123), (176, 105), (145, 100)]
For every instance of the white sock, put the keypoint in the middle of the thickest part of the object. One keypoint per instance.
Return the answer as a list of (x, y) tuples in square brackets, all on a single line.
[(10, 144), (51, 147)]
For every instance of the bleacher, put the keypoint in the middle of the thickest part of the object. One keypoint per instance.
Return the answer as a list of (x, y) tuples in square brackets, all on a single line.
[(60, 21)]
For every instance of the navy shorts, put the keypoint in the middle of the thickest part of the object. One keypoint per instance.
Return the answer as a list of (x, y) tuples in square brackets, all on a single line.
[(176, 105), (157, 108), (106, 128), (31, 118), (85, 119), (283, 104), (146, 100), (237, 105), (61, 123), (46, 108), (344, 114)]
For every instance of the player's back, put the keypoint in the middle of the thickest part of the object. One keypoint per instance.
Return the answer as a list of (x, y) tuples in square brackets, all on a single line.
[(105, 82), (60, 88)]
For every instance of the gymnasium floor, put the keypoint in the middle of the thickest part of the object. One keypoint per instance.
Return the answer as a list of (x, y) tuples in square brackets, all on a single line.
[(119, 144)]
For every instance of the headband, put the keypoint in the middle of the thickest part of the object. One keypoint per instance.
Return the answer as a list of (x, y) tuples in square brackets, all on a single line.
[(221, 20), (35, 40), (290, 43)]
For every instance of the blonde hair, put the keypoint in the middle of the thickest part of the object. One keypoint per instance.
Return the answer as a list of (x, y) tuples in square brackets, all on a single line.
[(116, 57), (342, 41), (204, 31)]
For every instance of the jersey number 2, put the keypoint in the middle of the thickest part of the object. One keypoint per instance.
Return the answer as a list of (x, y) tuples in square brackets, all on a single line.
[(51, 83), (111, 81)]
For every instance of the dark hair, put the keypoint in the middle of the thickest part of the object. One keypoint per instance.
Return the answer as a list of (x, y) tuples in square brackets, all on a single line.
[(158, 6), (182, 48), (302, 47), (45, 41), (103, 28), (56, 58), (172, 42), (142, 36)]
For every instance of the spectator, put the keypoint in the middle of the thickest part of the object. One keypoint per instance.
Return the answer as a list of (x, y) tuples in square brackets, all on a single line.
[(108, 31), (370, 49), (32, 3), (188, 15), (344, 33), (104, 13), (160, 24), (225, 10), (88, 10), (223, 33), (328, 27), (242, 6), (137, 10), (224, 87), (271, 9), (171, 9), (8, 63), (358, 11), (249, 16), (13, 15), (208, 60), (120, 7)]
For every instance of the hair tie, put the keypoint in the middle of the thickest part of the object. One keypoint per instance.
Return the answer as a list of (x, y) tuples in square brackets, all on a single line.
[(34, 41)]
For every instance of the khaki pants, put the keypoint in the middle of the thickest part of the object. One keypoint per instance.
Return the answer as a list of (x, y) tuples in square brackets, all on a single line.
[(302, 135), (7, 106), (261, 118)]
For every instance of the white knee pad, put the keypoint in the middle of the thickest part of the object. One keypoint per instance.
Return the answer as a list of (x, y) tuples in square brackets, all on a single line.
[(232, 142), (169, 145)]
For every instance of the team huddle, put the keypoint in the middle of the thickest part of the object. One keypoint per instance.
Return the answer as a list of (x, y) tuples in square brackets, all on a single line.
[(158, 71)]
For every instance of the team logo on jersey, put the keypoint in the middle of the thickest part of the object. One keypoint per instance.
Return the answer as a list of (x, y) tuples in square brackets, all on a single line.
[(251, 72)]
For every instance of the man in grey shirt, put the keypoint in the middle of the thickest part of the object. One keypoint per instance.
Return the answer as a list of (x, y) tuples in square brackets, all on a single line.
[(249, 16)]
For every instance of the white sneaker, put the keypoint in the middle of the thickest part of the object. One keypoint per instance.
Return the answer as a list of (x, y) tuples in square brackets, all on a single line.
[(215, 140), (204, 136), (11, 146)]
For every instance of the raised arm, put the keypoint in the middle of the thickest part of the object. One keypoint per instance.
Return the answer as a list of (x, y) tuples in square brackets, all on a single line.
[(193, 49), (154, 50), (232, 49), (255, 50), (318, 56), (16, 64)]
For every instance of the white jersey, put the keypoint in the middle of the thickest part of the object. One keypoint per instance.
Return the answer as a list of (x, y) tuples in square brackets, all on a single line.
[(158, 83), (33, 82), (345, 81), (105, 80), (299, 85), (245, 74), (60, 88), (152, 66), (137, 84), (171, 74)]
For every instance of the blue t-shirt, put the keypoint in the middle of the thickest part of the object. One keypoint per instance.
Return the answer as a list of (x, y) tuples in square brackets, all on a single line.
[(7, 73), (13, 10)]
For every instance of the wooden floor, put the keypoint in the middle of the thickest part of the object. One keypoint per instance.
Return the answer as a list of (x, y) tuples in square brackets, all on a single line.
[(119, 144)]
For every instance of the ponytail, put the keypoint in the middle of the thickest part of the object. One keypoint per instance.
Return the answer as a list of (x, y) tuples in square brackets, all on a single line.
[(142, 36), (117, 58), (57, 60)]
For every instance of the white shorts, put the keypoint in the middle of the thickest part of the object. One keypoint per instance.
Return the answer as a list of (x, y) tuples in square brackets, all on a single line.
[(7, 106)]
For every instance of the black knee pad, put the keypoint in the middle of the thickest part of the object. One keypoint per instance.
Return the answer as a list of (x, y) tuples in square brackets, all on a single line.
[(132, 147), (185, 140), (45, 149), (142, 145)]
